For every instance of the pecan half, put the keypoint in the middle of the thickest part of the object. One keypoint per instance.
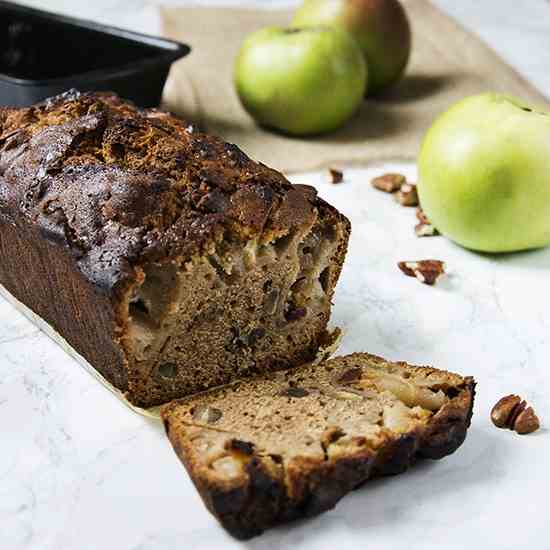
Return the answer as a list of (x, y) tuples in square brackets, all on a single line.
[(526, 422), (511, 412), (407, 195), (426, 271), (336, 176), (389, 183)]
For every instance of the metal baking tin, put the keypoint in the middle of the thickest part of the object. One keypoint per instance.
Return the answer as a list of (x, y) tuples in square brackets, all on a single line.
[(43, 54)]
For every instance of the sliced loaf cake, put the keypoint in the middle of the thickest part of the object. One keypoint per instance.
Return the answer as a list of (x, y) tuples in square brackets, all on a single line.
[(292, 444)]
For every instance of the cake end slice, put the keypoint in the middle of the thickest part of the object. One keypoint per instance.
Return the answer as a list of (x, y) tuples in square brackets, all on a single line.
[(276, 448)]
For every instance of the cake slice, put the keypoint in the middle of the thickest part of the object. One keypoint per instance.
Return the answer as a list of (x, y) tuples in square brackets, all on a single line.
[(165, 257), (276, 448)]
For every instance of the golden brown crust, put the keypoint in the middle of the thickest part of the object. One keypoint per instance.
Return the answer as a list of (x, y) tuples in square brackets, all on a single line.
[(266, 492), (120, 187)]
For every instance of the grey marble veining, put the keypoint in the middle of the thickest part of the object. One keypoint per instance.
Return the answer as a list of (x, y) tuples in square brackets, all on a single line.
[(78, 470)]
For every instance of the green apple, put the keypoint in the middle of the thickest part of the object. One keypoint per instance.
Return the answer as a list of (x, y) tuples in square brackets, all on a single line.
[(484, 174), (300, 81), (381, 28)]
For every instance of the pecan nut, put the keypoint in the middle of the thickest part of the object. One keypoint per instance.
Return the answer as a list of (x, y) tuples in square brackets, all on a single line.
[(526, 422), (426, 271), (513, 413), (336, 176), (389, 183), (407, 195)]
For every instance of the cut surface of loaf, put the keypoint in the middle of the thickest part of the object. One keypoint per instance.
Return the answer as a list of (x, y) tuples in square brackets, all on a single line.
[(166, 257), (289, 445)]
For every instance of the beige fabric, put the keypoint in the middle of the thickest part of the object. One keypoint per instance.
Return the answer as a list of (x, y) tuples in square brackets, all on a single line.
[(447, 64)]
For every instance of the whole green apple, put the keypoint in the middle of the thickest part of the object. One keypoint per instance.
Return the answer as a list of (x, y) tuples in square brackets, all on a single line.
[(381, 28), (484, 174), (300, 81)]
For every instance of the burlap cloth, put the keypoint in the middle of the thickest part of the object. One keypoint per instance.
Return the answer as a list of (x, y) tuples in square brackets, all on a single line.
[(447, 64)]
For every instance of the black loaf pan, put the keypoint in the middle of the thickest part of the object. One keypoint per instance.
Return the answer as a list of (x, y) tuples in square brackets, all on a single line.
[(43, 54)]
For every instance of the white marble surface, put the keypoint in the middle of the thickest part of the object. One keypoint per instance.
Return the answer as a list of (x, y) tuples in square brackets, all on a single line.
[(78, 470)]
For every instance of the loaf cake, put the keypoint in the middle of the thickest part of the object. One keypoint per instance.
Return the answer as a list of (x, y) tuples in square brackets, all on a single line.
[(291, 444), (165, 257)]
